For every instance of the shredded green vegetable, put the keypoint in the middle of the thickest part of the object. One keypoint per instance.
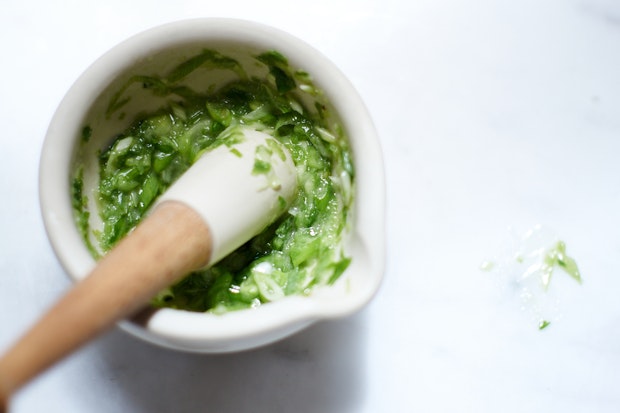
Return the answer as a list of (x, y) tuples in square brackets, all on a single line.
[(299, 251)]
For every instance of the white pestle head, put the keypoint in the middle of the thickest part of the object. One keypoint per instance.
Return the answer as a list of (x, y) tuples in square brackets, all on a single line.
[(238, 188)]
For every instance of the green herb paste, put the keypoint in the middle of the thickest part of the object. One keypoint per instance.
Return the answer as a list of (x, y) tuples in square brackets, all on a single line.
[(299, 251)]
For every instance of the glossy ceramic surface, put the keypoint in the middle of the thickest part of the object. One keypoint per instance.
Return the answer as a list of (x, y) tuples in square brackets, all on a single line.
[(155, 52)]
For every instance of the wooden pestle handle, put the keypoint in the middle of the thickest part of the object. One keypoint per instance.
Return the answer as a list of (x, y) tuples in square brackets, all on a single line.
[(168, 244)]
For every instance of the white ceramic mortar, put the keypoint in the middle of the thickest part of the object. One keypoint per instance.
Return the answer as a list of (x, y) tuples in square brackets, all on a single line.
[(156, 52)]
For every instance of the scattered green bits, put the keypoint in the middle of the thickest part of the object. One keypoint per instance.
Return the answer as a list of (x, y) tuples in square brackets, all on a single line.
[(86, 133), (543, 324), (556, 257), (527, 268)]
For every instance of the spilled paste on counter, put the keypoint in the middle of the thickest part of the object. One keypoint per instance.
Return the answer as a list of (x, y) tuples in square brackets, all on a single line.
[(527, 269)]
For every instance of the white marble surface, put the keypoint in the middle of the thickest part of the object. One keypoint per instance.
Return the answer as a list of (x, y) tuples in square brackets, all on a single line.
[(492, 115)]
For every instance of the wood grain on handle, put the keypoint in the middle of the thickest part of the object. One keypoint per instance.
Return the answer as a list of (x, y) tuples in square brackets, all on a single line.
[(168, 244)]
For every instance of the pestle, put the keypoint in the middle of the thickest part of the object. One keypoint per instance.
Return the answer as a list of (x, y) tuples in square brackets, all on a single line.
[(215, 207)]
